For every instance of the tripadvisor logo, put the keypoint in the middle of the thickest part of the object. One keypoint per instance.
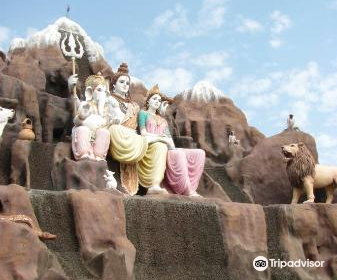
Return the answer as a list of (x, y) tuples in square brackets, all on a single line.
[(260, 263)]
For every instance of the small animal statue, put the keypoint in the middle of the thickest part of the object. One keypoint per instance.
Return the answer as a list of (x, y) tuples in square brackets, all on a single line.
[(5, 115), (24, 219), (111, 182)]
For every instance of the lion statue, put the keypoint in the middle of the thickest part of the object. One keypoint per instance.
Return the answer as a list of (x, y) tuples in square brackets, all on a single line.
[(306, 175)]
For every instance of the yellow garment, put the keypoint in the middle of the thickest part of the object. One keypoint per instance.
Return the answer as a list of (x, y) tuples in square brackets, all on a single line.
[(129, 177), (126, 146), (151, 167)]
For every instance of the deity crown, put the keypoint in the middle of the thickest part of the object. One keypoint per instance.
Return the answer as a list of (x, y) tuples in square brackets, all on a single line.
[(94, 80), (123, 70), (155, 90)]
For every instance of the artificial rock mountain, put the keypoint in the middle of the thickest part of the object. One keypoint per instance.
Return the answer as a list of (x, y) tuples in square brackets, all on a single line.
[(101, 235)]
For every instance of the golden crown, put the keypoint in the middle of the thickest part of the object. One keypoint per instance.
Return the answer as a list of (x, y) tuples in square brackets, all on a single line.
[(95, 80)]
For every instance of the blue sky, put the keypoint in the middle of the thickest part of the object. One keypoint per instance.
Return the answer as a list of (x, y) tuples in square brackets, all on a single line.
[(271, 57)]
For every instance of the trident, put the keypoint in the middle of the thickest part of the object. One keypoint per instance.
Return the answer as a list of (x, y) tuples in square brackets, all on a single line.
[(70, 50)]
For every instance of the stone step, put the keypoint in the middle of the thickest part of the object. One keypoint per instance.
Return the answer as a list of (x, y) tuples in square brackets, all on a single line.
[(175, 237), (55, 215)]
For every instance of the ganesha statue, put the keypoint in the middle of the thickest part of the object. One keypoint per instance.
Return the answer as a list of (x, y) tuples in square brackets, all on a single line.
[(164, 166), (90, 136)]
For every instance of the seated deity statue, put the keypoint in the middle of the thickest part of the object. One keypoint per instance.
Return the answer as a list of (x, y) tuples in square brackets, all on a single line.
[(177, 169), (90, 136), (232, 139), (126, 146), (291, 123)]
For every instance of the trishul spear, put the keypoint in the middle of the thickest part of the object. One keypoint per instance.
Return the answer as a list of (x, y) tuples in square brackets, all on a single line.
[(70, 51)]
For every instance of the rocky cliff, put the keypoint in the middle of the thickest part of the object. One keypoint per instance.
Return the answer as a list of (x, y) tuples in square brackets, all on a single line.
[(101, 235)]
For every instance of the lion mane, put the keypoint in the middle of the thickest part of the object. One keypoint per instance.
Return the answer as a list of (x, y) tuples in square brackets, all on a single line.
[(301, 166)]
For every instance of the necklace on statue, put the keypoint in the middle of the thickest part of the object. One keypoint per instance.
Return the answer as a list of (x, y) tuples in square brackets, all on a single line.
[(121, 102), (157, 119)]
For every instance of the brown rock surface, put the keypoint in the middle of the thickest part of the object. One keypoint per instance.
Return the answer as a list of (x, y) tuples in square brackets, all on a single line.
[(209, 125), (100, 228), (307, 231), (244, 234), (20, 167), (85, 174), (23, 255), (195, 238), (263, 171), (209, 188), (14, 200), (23, 98), (138, 93)]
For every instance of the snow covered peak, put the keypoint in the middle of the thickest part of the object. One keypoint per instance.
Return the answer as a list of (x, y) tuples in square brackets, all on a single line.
[(51, 36), (202, 91)]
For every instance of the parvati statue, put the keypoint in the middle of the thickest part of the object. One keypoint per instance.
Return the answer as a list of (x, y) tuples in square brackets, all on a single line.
[(180, 169)]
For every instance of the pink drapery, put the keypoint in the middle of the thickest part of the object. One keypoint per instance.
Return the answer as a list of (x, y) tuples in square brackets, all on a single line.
[(184, 169), (81, 144)]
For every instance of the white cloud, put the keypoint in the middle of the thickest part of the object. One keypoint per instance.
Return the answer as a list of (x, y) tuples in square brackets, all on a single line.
[(205, 60), (327, 147), (5, 35), (249, 25), (117, 52), (280, 22), (251, 86), (210, 16), (328, 87), (332, 5), (327, 156), (30, 31), (275, 43), (326, 141), (171, 81), (218, 75), (178, 45), (263, 100), (301, 111), (302, 83), (297, 86), (212, 59)]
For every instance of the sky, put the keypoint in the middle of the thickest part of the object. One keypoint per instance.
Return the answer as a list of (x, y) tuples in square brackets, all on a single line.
[(272, 58)]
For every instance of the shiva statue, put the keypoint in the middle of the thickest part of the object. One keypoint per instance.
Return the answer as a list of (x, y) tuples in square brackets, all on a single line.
[(126, 146)]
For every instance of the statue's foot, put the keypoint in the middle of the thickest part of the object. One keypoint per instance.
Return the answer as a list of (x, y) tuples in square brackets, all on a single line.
[(157, 190), (85, 156), (92, 157), (309, 201), (195, 194), (99, 158)]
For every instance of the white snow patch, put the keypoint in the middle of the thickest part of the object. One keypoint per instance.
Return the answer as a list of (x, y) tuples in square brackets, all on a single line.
[(203, 91), (17, 43), (51, 36)]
